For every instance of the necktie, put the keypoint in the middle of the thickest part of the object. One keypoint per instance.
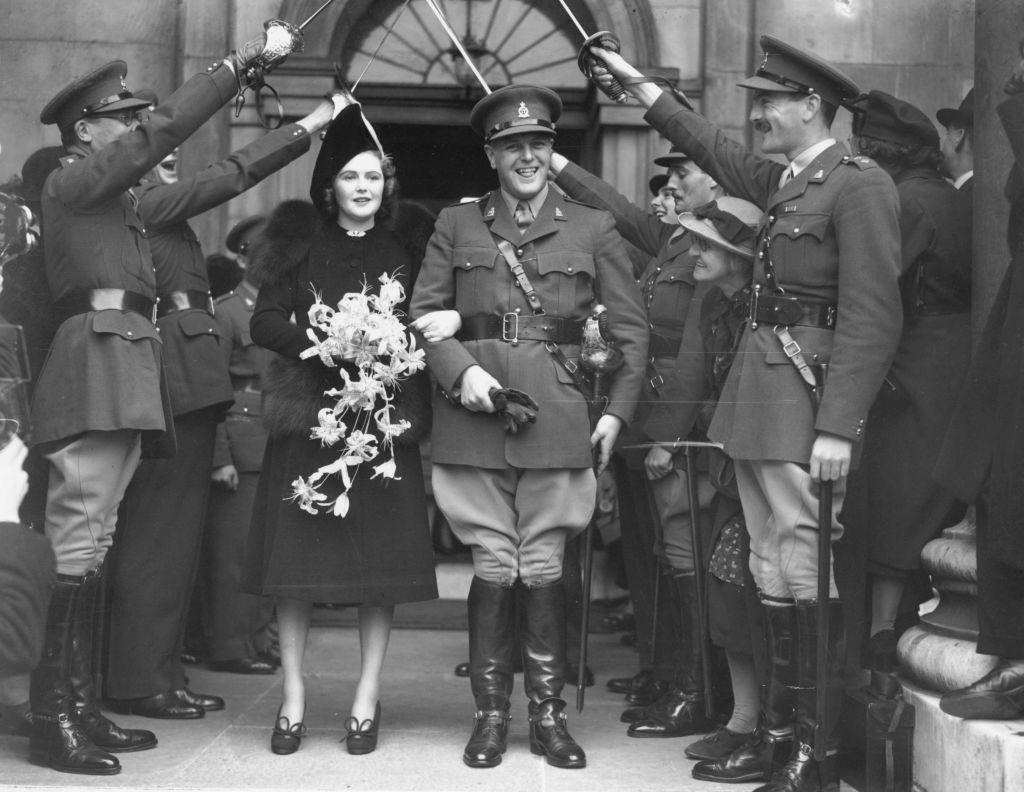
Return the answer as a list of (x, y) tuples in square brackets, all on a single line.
[(523, 216)]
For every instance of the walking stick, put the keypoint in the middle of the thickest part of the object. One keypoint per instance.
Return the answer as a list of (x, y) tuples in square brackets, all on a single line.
[(588, 567), (700, 572), (824, 568)]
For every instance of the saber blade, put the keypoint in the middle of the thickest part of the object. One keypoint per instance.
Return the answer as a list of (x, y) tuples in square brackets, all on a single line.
[(373, 57), (572, 16), (315, 14), (458, 44)]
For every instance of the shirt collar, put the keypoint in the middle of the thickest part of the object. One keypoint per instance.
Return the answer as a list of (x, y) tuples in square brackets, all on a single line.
[(534, 203), (806, 157), (963, 177)]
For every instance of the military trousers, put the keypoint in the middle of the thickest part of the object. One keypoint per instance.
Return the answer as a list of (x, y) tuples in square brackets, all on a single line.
[(156, 559), (515, 521), (88, 478), (780, 506)]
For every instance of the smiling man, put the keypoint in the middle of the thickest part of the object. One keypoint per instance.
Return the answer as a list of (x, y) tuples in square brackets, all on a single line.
[(826, 302), (524, 267)]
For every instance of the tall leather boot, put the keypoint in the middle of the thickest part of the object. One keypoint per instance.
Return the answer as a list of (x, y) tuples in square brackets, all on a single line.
[(803, 773), (57, 740), (681, 711), (769, 747), (86, 640), (492, 641), (543, 642)]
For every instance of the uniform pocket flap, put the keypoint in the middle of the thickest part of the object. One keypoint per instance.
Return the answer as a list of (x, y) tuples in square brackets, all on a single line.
[(130, 326), (197, 323), (467, 258), (567, 262), (815, 345), (797, 225)]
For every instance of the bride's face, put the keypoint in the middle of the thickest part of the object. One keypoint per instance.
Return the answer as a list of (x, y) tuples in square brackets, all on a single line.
[(359, 187)]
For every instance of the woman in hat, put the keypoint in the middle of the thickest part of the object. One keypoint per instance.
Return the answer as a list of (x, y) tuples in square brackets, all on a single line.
[(724, 234), (893, 504), (379, 553)]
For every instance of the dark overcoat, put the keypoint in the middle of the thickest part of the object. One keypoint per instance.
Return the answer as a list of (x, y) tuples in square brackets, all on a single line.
[(833, 233), (986, 436), (666, 289), (574, 259), (380, 552), (193, 358), (892, 497), (103, 371)]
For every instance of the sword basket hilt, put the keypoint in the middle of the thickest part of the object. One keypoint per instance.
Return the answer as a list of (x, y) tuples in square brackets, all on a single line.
[(606, 40)]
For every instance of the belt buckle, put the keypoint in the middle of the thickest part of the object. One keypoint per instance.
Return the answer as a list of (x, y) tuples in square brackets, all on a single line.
[(513, 337), (754, 295)]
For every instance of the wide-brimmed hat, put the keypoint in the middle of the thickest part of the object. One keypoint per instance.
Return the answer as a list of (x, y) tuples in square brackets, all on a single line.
[(729, 223)]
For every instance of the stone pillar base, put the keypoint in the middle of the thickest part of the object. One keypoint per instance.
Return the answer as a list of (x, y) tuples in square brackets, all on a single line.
[(942, 662)]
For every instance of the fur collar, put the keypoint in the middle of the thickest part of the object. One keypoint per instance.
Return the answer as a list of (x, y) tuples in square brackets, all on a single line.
[(291, 229)]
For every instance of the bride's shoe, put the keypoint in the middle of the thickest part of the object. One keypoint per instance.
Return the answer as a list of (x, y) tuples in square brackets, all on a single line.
[(287, 736), (362, 737)]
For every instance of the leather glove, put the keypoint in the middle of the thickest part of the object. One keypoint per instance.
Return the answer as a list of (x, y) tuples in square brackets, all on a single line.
[(514, 406), (268, 50)]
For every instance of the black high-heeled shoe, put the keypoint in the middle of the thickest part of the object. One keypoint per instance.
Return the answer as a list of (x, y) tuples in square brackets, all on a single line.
[(362, 737), (287, 736)]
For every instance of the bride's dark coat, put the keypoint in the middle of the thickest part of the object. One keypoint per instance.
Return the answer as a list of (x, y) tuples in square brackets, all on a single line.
[(381, 552)]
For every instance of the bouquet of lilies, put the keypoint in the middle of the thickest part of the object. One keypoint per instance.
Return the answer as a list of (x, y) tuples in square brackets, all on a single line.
[(366, 330)]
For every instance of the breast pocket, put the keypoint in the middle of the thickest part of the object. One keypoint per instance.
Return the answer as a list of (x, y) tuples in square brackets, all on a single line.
[(567, 279), (670, 296), (474, 279), (799, 250)]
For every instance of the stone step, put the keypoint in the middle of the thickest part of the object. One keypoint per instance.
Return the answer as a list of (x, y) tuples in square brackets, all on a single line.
[(955, 755)]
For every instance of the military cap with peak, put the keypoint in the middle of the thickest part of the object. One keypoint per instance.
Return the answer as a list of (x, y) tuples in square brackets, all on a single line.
[(516, 109), (100, 92), (236, 235), (880, 115), (788, 69), (962, 115), (675, 157)]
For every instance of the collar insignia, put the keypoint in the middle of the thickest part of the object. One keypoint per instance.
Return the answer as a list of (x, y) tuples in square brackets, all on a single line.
[(818, 174), (559, 213), (524, 111), (490, 212)]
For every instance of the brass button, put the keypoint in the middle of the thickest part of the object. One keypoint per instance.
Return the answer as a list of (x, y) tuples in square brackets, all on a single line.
[(568, 269)]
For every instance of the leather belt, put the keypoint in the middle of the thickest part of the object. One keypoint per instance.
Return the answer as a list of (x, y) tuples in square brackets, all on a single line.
[(777, 309), (663, 346), (513, 328), (172, 302), (86, 300)]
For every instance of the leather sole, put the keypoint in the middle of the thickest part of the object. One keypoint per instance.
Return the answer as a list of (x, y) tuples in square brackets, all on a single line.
[(42, 762), (123, 708), (988, 705), (554, 761), (746, 778), (661, 735), (128, 749)]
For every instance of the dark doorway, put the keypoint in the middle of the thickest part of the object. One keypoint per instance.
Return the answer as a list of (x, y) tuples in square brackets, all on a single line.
[(438, 165)]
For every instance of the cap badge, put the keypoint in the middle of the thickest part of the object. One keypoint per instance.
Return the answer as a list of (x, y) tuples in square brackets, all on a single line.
[(524, 111), (764, 63), (124, 85)]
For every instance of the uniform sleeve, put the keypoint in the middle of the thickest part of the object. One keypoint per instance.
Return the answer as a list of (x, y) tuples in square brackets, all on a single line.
[(166, 205), (740, 173), (222, 447), (686, 386), (618, 291), (637, 226), (435, 291), (869, 315), (94, 180)]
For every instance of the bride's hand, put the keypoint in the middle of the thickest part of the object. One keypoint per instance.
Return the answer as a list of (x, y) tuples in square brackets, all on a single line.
[(438, 325)]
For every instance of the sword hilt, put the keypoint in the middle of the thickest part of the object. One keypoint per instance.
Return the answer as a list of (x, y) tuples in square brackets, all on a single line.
[(605, 40)]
